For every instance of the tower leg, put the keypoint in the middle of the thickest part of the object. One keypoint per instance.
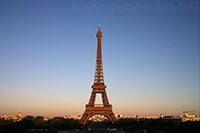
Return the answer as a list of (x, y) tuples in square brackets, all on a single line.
[(94, 111)]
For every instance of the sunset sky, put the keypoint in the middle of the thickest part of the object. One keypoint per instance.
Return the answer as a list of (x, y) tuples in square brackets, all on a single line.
[(48, 51)]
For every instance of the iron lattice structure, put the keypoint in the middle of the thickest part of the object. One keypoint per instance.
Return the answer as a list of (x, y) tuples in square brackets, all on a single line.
[(98, 87)]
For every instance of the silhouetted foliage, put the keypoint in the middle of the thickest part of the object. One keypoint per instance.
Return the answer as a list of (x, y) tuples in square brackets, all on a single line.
[(31, 124), (29, 117), (189, 127), (62, 123), (157, 126), (4, 122), (38, 124)]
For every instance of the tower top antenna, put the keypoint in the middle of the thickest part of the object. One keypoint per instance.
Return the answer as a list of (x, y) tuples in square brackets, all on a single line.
[(99, 25)]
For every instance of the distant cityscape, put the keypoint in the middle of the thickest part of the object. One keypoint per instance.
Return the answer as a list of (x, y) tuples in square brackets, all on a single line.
[(188, 116)]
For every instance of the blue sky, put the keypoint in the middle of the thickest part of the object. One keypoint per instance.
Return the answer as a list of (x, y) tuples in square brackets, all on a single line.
[(48, 51)]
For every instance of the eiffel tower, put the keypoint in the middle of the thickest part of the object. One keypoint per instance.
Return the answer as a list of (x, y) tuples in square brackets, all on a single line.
[(98, 87)]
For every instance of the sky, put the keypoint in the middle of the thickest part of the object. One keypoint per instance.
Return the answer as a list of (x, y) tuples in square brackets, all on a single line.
[(48, 52)]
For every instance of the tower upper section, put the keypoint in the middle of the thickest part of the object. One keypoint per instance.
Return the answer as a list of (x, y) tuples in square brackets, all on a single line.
[(99, 77)]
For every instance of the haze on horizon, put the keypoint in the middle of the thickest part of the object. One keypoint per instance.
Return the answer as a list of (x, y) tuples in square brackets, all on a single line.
[(48, 52)]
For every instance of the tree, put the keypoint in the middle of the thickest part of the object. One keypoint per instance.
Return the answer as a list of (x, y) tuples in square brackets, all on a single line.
[(29, 117), (39, 121)]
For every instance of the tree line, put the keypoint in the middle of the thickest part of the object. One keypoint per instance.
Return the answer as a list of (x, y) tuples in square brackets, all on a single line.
[(30, 124)]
